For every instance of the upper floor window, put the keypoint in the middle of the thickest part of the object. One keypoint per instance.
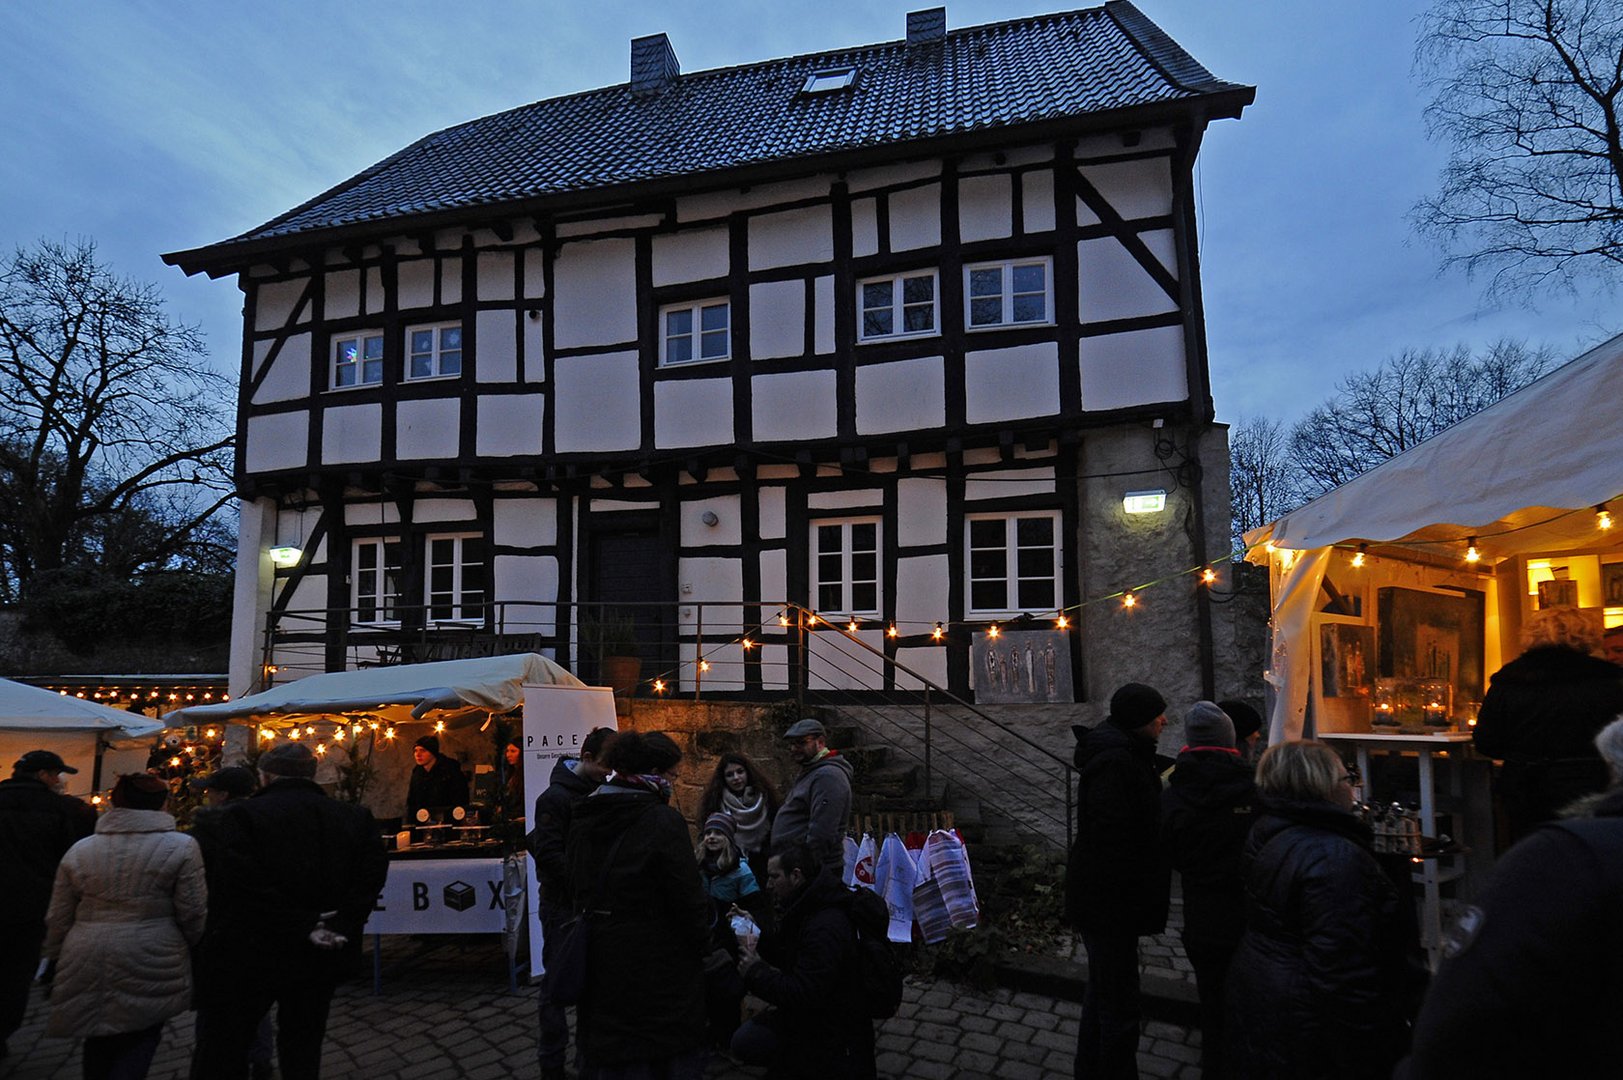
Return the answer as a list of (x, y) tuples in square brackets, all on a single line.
[(375, 580), (456, 578), (433, 351), (1014, 562), (845, 566), (695, 332), (357, 359), (1008, 293), (897, 306)]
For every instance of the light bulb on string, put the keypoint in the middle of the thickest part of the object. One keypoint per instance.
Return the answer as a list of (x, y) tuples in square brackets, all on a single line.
[(1471, 553), (321, 749), (1358, 557), (659, 686), (1062, 623), (938, 633), (746, 644), (1129, 599), (783, 619), (993, 631), (1603, 517), (891, 631), (851, 626), (439, 726), (388, 733), (704, 665), (1208, 576)]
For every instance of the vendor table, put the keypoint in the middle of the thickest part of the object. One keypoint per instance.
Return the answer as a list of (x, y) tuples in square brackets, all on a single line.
[(428, 892)]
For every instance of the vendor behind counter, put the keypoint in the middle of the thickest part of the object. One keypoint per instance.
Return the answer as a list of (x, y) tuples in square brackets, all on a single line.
[(437, 781)]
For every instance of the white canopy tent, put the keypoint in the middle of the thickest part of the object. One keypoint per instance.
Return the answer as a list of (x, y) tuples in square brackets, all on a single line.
[(79, 731), (1527, 474)]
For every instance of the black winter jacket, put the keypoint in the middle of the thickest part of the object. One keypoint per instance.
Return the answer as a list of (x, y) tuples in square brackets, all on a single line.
[(1540, 717), (442, 785), (554, 809), (1206, 813), (813, 975), (1319, 980), (645, 958), (1115, 880), (37, 826), (1532, 983)]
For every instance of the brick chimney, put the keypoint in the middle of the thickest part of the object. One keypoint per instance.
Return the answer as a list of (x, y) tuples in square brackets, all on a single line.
[(653, 64), (927, 27)]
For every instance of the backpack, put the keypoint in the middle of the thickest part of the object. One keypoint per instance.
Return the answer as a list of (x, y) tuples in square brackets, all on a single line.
[(881, 976)]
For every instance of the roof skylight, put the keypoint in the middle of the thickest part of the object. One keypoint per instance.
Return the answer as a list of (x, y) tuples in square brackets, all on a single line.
[(822, 82)]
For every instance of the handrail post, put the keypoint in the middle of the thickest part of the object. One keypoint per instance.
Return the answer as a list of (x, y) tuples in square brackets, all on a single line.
[(929, 786), (1070, 809), (802, 679), (698, 650)]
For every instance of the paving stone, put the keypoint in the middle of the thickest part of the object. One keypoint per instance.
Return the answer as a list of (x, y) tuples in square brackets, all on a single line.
[(937, 1033), (929, 1051), (1005, 1011), (1054, 1040), (979, 1041), (1176, 1051), (1149, 1065), (1019, 1070), (1041, 1019), (931, 1070), (973, 1063), (891, 1064), (899, 1044), (1024, 1052), (1060, 1062), (978, 1023), (936, 997), (1159, 1029)]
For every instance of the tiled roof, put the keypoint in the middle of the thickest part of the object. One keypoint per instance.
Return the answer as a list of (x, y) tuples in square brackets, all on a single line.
[(1045, 68)]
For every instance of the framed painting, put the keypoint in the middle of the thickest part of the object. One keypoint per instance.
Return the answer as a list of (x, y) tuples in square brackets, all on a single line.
[(1433, 635)]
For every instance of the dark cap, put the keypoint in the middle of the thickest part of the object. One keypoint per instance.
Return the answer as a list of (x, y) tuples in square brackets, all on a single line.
[(234, 780), (431, 743), (1247, 721), (288, 759), (47, 760), (801, 728), (1135, 705)]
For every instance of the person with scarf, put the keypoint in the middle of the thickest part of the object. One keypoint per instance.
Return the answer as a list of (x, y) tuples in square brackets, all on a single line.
[(739, 789), (630, 863)]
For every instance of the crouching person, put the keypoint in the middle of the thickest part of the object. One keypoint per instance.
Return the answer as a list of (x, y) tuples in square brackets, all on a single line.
[(809, 970)]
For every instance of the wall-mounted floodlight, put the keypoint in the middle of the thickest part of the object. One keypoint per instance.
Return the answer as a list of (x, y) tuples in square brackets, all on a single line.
[(1144, 502), (285, 556)]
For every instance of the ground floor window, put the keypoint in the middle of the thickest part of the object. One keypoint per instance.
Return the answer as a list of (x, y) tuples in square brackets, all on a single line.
[(1014, 562), (845, 566)]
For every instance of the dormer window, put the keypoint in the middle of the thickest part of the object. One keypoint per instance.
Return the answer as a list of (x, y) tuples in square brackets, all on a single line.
[(829, 79)]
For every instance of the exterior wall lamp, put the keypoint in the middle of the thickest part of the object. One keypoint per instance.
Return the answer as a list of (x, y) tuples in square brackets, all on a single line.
[(284, 556), (1144, 502)]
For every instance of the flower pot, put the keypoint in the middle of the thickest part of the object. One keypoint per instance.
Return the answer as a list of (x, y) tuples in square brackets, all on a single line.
[(622, 673)]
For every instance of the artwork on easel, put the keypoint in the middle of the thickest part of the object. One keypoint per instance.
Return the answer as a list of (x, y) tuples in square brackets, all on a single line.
[(1346, 660), (1433, 635), (1557, 592), (1611, 584)]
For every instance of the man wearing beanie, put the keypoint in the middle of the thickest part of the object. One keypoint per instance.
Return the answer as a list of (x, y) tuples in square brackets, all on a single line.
[(292, 878), (437, 781), (1206, 812), (1116, 884)]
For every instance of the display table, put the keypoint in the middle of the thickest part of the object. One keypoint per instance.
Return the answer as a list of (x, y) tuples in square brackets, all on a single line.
[(427, 892), (1454, 749)]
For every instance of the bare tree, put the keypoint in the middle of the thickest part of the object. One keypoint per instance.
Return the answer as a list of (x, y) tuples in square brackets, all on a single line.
[(115, 434), (1527, 95), (1263, 481)]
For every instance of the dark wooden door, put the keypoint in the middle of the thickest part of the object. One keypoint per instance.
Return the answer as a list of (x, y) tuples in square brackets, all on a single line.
[(630, 578)]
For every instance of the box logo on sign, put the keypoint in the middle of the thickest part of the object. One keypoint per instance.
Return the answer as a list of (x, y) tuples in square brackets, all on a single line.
[(459, 896)]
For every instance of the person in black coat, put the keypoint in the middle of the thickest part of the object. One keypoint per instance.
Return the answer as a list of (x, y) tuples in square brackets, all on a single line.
[(1530, 984), (37, 826), (436, 780), (630, 860), (1206, 812), (1116, 883), (809, 970), (1541, 714), (1318, 985), (292, 878)]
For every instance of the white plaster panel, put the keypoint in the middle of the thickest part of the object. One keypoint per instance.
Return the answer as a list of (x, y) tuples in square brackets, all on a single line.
[(279, 441), (832, 662), (443, 510), (496, 275), (1008, 384), (713, 580), (1007, 483), (1138, 368), (921, 591), (886, 175), (596, 302), (864, 227), (374, 290), (273, 303), (930, 663), (309, 595), (774, 580), (343, 297), (823, 315), (777, 319), (921, 512), (289, 375), (535, 362), (415, 278), (726, 530), (915, 218), (451, 280), (428, 428), (772, 513), (509, 424), (794, 405), (903, 396), (527, 577), (1112, 284), (1085, 214), (985, 208), (371, 513), (535, 273), (612, 506), (497, 358), (791, 237), (598, 402), (693, 412), (721, 203), (839, 500), (1037, 200), (352, 433), (620, 223), (692, 255), (991, 159), (1109, 145), (1163, 244), (1135, 189), (524, 522)]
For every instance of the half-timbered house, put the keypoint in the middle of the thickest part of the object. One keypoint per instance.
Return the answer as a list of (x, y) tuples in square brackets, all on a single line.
[(888, 332)]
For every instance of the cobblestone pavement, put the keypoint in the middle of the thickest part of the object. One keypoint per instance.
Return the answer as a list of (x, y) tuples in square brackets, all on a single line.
[(445, 1014)]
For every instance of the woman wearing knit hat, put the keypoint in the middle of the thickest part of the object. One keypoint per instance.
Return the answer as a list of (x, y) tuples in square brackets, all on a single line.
[(730, 886)]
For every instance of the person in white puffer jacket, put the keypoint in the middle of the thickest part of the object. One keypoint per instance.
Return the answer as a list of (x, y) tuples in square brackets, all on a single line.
[(128, 906)]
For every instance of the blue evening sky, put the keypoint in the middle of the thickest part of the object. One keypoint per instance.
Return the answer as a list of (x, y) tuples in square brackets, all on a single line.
[(159, 125)]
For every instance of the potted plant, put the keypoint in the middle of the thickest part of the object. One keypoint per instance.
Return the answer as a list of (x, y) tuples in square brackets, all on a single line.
[(610, 637)]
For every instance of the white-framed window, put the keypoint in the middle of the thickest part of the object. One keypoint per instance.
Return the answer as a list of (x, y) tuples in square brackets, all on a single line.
[(1008, 293), (696, 332), (899, 305), (457, 581), (821, 82), (845, 566), (1014, 562), (375, 579), (433, 351), (357, 359)]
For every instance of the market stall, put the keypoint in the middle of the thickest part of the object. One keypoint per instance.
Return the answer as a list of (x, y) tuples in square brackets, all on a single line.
[(1399, 593), (98, 741)]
